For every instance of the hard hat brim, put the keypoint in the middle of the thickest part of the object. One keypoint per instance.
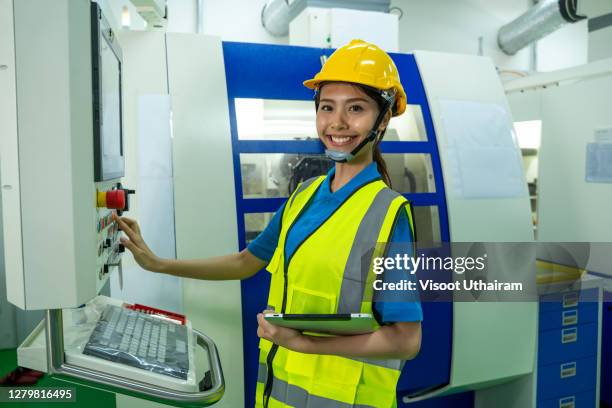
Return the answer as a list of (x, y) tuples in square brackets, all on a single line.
[(400, 102)]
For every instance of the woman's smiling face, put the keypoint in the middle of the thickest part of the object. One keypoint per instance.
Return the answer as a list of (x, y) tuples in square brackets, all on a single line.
[(345, 116)]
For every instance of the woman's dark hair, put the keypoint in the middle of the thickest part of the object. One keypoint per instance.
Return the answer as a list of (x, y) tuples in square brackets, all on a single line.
[(376, 154)]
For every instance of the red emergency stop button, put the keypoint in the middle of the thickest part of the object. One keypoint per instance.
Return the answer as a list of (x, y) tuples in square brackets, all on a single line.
[(115, 199)]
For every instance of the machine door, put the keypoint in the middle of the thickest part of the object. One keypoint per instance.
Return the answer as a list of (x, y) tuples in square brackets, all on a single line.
[(275, 146)]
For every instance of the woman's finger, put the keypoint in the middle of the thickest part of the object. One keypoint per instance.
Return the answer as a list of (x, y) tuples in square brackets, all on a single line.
[(128, 231), (133, 224), (127, 223), (128, 244), (264, 323)]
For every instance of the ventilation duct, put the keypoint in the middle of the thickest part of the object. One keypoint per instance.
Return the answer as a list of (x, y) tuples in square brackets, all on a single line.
[(541, 20), (275, 17), (277, 14)]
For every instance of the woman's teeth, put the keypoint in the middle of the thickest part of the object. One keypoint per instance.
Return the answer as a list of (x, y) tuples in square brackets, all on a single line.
[(340, 140)]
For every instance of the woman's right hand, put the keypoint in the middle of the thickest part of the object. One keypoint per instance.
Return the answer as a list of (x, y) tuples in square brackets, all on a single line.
[(134, 242)]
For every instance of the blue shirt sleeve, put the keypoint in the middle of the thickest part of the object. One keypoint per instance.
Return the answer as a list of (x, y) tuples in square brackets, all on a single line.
[(401, 305), (265, 244)]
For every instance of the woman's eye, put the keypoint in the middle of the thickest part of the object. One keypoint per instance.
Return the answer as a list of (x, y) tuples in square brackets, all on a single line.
[(355, 108), (326, 108)]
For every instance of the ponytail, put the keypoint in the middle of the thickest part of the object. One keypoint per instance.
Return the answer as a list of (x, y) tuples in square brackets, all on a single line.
[(380, 163)]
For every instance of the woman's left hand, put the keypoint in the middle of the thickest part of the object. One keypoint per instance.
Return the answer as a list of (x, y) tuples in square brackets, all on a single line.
[(283, 336)]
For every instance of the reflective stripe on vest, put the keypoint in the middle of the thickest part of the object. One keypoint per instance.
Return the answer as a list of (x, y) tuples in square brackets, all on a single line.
[(330, 272), (293, 396), (352, 290)]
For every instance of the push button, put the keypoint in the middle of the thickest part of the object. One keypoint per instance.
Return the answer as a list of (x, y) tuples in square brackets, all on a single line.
[(115, 199)]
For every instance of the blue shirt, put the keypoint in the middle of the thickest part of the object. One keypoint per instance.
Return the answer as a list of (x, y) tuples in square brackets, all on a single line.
[(403, 306)]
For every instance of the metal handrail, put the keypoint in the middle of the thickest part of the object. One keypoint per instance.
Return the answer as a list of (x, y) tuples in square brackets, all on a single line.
[(56, 364)]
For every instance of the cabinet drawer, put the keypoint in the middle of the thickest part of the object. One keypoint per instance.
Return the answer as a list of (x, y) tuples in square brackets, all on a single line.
[(606, 350), (586, 312), (579, 400), (568, 343), (559, 379), (566, 300)]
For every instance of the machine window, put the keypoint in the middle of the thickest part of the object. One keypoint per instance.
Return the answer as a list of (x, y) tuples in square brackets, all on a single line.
[(255, 223), (410, 172), (408, 127), (427, 220), (266, 175), (270, 119)]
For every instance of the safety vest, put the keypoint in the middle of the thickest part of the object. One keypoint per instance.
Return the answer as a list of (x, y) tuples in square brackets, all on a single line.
[(330, 272)]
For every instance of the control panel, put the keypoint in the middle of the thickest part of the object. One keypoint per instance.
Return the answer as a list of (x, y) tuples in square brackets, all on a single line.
[(111, 198), (65, 109)]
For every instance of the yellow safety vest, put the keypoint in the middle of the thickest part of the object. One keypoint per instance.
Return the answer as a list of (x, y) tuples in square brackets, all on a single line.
[(330, 272)]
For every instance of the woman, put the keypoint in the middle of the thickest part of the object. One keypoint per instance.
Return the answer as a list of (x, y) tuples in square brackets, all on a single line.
[(316, 244)]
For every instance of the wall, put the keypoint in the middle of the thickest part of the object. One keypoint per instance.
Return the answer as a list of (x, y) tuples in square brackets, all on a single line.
[(237, 20), (182, 16), (565, 48), (112, 10), (455, 26), (435, 25), (599, 40)]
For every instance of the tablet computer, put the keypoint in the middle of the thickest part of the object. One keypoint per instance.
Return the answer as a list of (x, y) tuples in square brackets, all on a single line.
[(343, 323)]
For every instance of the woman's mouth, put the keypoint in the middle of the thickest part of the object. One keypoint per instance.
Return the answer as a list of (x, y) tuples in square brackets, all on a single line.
[(339, 141)]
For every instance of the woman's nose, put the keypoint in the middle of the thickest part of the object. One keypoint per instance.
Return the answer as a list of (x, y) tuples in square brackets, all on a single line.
[(338, 121)]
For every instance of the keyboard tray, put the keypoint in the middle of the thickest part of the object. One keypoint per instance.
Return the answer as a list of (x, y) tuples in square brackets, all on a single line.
[(139, 340)]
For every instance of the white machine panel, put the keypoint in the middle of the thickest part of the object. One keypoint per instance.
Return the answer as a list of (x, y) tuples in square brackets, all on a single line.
[(204, 193), (58, 244), (11, 208), (334, 27), (485, 350)]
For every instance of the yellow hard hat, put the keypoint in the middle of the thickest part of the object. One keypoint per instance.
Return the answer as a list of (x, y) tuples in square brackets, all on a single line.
[(362, 63)]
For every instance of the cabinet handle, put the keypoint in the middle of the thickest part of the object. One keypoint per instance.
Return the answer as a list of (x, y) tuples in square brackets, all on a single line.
[(569, 335), (570, 299), (570, 317), (568, 370), (567, 402)]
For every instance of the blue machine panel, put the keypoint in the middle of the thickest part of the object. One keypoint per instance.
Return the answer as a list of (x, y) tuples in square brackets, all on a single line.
[(277, 72)]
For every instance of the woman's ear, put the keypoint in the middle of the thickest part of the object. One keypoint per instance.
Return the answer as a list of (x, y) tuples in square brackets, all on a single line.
[(385, 122)]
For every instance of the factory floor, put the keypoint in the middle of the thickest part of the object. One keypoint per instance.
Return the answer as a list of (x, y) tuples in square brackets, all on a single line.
[(85, 396)]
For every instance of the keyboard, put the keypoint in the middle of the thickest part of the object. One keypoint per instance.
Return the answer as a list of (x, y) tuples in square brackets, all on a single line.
[(139, 340)]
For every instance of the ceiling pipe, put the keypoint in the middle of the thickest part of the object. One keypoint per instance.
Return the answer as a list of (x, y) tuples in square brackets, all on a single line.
[(199, 16), (539, 21), (275, 17)]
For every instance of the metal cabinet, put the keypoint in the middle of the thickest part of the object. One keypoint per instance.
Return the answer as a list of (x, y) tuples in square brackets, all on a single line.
[(568, 349)]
